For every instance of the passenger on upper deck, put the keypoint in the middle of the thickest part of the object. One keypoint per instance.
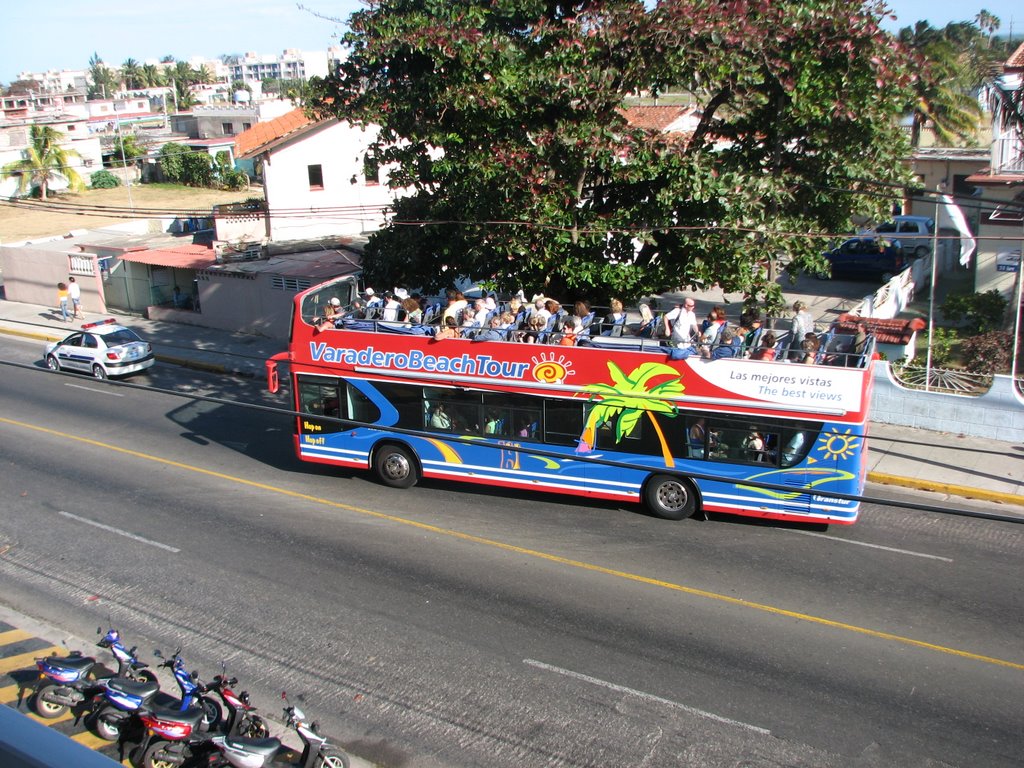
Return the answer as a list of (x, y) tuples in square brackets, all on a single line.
[(391, 307), (456, 303), (413, 311), (615, 320), (448, 330), (534, 326), (767, 349)]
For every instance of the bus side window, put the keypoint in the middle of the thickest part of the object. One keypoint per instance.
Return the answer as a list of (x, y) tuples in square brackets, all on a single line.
[(563, 422), (795, 446)]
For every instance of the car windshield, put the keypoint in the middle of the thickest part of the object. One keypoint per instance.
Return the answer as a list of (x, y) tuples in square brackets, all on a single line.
[(886, 228), (121, 336)]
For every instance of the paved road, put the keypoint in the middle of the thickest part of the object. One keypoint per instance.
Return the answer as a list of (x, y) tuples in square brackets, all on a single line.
[(447, 626)]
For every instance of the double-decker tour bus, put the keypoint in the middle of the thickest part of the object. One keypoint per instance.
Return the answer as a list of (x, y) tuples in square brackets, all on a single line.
[(616, 418)]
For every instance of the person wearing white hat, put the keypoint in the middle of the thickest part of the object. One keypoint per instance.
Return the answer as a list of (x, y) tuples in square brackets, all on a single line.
[(401, 294)]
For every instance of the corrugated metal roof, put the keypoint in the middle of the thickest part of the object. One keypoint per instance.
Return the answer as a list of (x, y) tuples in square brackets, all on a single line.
[(190, 256)]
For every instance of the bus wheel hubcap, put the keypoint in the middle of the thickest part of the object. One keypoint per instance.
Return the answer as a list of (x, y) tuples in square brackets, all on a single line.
[(672, 496), (396, 466)]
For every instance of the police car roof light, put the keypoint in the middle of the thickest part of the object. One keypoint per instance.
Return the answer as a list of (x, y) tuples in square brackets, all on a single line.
[(108, 321)]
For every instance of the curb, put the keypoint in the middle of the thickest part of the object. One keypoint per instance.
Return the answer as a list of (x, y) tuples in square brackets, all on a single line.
[(948, 488)]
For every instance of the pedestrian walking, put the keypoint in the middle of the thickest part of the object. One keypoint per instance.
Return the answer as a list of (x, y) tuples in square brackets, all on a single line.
[(75, 294), (62, 301)]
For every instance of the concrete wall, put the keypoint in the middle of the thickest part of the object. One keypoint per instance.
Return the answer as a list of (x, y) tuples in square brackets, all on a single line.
[(31, 273), (243, 302), (998, 414)]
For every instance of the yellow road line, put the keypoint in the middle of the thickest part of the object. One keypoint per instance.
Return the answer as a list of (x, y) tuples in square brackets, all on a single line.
[(770, 609), (14, 636), (24, 660), (91, 740), (52, 720), (9, 693)]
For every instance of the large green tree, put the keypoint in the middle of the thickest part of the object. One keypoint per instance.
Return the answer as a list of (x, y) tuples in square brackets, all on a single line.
[(506, 119), (44, 161)]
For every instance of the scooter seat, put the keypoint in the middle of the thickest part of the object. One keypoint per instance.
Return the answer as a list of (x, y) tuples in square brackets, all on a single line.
[(266, 746), (76, 663), (133, 688), (192, 716)]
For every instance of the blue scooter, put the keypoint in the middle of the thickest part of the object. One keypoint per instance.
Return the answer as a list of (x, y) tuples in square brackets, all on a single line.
[(67, 681), (121, 699)]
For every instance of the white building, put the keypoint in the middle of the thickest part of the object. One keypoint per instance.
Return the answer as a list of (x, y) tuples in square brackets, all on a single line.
[(291, 64), (15, 138), (1001, 224), (316, 178)]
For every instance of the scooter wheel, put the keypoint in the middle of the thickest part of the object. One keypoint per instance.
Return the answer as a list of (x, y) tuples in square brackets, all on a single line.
[(108, 731), (332, 759), (46, 708), (157, 756)]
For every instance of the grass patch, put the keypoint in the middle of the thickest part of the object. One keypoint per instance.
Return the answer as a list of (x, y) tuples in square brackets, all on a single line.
[(85, 210)]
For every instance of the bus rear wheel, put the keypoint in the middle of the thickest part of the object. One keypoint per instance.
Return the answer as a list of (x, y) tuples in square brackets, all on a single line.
[(670, 497), (395, 466)]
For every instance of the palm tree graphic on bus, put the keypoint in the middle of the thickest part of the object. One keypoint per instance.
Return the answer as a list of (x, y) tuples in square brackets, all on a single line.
[(627, 399)]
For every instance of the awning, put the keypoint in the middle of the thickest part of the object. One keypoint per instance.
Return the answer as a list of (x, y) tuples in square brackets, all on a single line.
[(182, 257)]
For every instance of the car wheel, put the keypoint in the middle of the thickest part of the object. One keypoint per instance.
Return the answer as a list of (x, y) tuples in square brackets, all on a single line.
[(395, 466), (670, 497), (52, 363), (921, 251), (98, 371)]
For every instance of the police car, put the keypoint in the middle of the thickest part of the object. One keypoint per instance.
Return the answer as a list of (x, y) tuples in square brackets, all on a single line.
[(103, 349)]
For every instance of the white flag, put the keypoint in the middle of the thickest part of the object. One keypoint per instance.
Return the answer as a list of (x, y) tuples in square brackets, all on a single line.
[(950, 210)]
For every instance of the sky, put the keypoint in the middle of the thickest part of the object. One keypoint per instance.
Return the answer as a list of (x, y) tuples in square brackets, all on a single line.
[(64, 34)]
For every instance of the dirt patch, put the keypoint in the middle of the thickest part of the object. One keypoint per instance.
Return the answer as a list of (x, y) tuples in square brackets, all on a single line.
[(101, 207)]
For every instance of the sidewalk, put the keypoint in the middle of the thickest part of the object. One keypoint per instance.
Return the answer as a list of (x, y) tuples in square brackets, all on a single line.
[(943, 463)]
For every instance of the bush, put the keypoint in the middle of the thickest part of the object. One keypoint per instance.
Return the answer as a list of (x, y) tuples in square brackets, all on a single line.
[(234, 180), (104, 180), (982, 312), (988, 352), (942, 345)]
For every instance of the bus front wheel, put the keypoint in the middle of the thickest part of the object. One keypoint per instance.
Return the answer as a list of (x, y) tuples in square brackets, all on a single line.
[(670, 497), (395, 466)]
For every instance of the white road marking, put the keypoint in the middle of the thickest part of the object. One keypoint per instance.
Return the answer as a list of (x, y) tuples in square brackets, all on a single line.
[(119, 532), (874, 546), (645, 696), (104, 391)]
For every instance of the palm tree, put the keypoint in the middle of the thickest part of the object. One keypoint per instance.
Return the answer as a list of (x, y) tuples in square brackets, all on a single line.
[(942, 91), (44, 160), (987, 23), (627, 399), (131, 74), (205, 75), (152, 75)]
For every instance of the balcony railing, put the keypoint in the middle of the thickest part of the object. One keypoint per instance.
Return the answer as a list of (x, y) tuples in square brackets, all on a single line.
[(1008, 155)]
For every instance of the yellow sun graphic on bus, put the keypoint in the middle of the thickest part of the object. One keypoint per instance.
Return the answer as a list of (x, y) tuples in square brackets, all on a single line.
[(549, 369), (838, 445)]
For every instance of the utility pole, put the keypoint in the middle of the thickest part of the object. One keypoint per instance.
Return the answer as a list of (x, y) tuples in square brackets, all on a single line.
[(124, 166)]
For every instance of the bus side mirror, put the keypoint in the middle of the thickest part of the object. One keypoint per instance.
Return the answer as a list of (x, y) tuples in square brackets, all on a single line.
[(273, 379)]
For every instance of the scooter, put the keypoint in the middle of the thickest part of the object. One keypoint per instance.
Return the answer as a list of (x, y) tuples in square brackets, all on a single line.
[(242, 719), (173, 738), (239, 752), (67, 681), (121, 699)]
